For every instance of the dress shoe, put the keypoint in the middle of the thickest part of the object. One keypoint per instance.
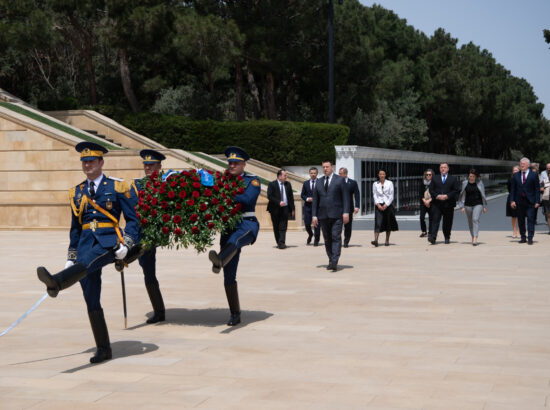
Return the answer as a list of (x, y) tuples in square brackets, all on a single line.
[(530, 242), (431, 240), (447, 241), (309, 239), (375, 243), (330, 266), (334, 267), (283, 246), (523, 240), (315, 243), (387, 244), (423, 234), (346, 245)]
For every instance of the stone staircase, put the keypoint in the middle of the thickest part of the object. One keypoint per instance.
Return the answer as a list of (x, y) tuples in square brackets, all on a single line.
[(38, 163)]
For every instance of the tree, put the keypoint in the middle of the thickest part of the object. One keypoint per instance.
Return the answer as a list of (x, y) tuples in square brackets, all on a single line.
[(210, 43)]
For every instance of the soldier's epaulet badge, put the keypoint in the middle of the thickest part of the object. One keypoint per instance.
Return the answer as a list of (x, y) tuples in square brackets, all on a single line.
[(255, 182), (122, 187), (72, 193), (116, 179)]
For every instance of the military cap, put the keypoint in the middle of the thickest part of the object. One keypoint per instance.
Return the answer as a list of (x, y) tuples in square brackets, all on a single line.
[(235, 154), (151, 156), (90, 150)]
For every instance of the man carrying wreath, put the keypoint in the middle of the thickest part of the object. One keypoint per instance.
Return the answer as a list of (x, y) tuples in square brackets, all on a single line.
[(95, 238), (244, 233), (152, 161)]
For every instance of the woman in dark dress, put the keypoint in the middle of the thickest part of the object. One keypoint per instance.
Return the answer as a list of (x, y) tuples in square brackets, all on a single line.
[(511, 212)]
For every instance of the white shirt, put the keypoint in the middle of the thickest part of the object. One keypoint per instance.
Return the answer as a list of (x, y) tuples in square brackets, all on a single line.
[(382, 194), (96, 182), (283, 191)]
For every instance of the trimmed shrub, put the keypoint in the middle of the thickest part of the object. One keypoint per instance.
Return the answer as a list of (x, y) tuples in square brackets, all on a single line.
[(275, 142)]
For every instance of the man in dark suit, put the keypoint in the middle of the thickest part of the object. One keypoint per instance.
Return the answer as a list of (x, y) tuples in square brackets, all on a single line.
[(330, 209), (525, 197), (444, 189), (353, 191), (307, 196), (280, 206)]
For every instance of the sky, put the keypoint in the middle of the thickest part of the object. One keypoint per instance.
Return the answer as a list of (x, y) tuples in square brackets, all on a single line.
[(511, 30)]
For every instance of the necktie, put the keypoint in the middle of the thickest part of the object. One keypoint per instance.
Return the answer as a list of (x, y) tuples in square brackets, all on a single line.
[(523, 177), (444, 178), (92, 189), (282, 192), (313, 185), (326, 184)]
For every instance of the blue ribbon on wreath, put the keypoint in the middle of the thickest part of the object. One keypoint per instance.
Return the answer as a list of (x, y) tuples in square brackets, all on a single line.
[(206, 178)]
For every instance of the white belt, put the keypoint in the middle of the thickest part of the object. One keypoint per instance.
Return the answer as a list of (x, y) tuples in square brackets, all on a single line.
[(249, 214)]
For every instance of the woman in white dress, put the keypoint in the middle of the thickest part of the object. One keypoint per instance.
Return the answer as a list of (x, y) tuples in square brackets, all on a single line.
[(384, 214)]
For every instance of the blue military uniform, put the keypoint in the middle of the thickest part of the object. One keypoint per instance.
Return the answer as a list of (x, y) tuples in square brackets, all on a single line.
[(95, 241), (148, 261), (244, 233), (93, 235)]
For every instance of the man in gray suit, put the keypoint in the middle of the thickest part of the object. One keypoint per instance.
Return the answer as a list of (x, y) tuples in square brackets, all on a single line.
[(330, 209)]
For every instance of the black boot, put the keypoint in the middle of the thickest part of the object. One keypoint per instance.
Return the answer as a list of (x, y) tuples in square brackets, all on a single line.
[(156, 300), (101, 336), (62, 280), (219, 260), (234, 307)]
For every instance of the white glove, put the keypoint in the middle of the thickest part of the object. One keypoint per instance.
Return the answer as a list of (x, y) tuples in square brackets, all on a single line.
[(68, 264), (121, 251)]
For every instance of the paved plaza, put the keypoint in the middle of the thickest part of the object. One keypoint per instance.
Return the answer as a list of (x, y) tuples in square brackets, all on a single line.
[(409, 326)]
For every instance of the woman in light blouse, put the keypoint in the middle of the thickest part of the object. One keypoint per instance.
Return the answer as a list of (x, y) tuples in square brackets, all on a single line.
[(384, 214)]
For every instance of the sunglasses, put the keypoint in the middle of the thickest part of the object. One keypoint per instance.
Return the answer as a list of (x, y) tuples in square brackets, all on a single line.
[(429, 175)]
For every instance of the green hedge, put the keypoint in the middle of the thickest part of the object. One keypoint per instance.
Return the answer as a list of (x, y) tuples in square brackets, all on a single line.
[(275, 142)]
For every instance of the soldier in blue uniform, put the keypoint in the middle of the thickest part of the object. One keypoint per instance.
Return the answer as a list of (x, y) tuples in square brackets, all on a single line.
[(152, 161), (95, 238), (244, 233)]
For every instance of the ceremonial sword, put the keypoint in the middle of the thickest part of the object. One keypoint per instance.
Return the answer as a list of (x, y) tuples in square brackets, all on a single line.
[(25, 314)]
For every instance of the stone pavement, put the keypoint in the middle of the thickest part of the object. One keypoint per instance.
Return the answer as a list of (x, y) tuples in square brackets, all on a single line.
[(409, 326)]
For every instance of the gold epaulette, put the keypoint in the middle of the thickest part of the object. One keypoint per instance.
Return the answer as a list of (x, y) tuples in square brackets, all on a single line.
[(122, 187)]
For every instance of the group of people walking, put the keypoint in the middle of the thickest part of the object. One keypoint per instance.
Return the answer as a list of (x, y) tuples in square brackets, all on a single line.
[(439, 195)]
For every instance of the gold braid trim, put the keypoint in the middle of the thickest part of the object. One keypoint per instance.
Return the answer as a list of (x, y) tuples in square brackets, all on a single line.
[(135, 187), (83, 203)]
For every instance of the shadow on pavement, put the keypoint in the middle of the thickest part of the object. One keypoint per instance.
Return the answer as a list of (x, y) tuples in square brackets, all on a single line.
[(120, 349), (209, 317)]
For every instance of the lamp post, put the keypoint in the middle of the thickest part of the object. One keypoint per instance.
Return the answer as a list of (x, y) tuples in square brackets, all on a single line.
[(331, 59)]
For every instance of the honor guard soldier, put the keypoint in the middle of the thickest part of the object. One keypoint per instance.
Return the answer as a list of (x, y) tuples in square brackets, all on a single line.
[(244, 233), (95, 238), (152, 161)]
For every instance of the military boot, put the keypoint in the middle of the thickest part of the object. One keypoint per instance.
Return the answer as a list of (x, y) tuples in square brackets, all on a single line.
[(219, 260), (62, 280), (234, 307), (101, 336), (156, 300)]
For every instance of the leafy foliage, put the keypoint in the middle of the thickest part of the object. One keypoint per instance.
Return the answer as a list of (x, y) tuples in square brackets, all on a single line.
[(236, 60)]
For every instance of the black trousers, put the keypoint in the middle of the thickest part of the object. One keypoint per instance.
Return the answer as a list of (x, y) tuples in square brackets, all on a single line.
[(438, 212), (279, 220), (423, 211), (347, 229), (316, 232), (526, 210), (332, 233)]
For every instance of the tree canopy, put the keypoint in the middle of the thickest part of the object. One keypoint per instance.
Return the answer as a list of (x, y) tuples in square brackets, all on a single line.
[(396, 87)]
